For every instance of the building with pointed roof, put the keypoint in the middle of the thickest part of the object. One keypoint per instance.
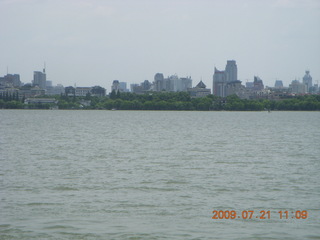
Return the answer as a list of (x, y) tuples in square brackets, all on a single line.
[(199, 91), (278, 84)]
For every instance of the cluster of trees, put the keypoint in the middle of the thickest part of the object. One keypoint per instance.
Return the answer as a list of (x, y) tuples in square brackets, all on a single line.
[(11, 100), (170, 101), (298, 103), (154, 101), (183, 101)]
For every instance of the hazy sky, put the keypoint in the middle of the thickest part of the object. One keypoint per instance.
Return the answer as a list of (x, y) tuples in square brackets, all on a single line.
[(93, 42)]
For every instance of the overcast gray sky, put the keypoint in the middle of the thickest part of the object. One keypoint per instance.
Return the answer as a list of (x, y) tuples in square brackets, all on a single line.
[(95, 42)]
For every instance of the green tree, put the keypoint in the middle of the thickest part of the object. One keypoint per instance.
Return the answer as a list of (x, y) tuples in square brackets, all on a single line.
[(113, 94), (118, 94)]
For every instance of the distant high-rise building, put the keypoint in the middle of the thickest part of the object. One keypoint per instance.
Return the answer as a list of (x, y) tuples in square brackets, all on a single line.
[(11, 80), (55, 90), (307, 80), (137, 88), (115, 86), (219, 83), (159, 83), (39, 79), (175, 83), (186, 83), (236, 88), (257, 84), (172, 83), (297, 87), (249, 85), (231, 71), (222, 78), (48, 83), (278, 84), (146, 85), (123, 87)]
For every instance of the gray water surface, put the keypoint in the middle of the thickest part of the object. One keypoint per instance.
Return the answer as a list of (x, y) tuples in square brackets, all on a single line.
[(157, 175)]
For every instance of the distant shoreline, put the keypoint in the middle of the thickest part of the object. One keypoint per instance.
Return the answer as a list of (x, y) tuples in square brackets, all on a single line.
[(180, 101)]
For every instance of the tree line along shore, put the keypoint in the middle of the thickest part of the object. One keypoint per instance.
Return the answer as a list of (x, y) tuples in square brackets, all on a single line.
[(165, 101)]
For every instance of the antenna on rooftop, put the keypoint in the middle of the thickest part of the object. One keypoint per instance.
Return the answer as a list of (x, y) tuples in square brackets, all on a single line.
[(44, 67)]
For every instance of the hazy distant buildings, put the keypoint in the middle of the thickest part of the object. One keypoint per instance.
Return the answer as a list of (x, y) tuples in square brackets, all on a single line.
[(48, 83), (123, 87), (54, 90), (133, 86), (278, 91), (231, 71), (10, 80), (257, 84), (236, 88), (225, 83), (171, 84), (278, 84), (249, 85), (159, 83), (256, 89), (143, 87), (115, 86), (199, 91), (82, 91), (219, 83), (307, 80), (297, 87), (39, 79), (85, 91), (186, 83), (146, 85), (222, 78), (119, 86), (32, 92), (98, 91)]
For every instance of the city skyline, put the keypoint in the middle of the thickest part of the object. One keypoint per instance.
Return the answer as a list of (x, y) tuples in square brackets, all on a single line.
[(40, 79), (95, 42)]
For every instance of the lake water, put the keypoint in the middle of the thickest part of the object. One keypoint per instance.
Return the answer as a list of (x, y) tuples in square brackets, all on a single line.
[(158, 175)]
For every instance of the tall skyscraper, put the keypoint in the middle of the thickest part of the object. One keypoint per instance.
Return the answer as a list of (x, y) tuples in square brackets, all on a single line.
[(219, 83), (222, 78), (231, 71), (39, 79), (307, 80), (159, 83)]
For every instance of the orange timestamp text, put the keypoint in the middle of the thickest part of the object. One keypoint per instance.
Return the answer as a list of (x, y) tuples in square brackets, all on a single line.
[(263, 214)]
